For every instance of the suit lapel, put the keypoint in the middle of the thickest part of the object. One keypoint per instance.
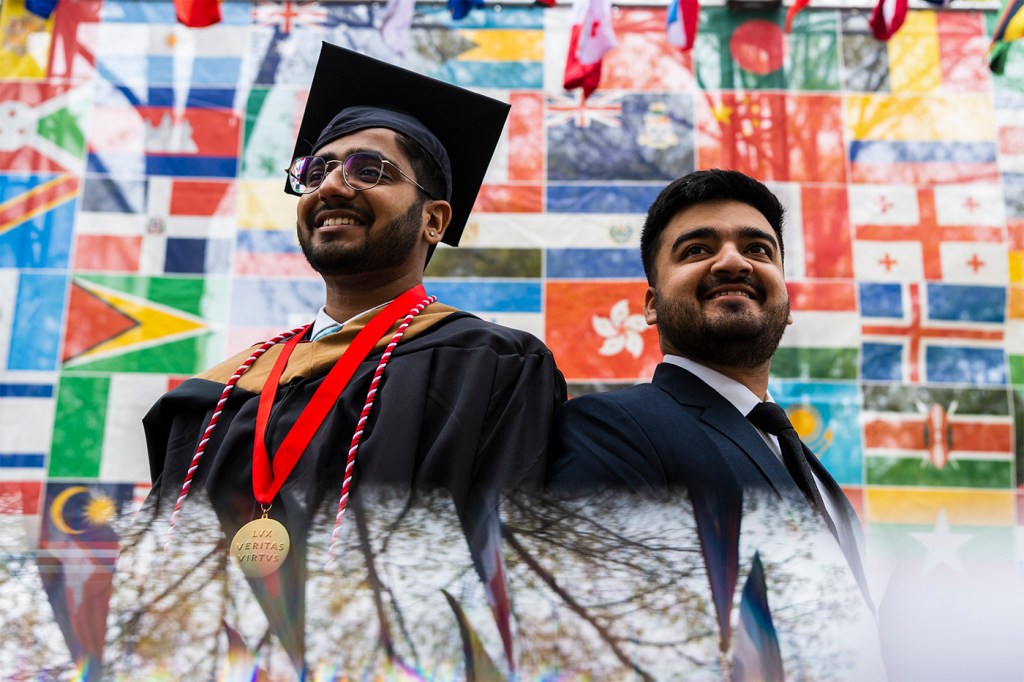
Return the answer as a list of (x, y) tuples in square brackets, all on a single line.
[(722, 416)]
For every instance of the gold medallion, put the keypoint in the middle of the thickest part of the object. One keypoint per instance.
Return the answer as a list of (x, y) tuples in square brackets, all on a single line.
[(260, 547)]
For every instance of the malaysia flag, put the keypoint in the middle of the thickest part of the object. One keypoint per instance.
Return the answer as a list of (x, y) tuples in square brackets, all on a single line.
[(592, 36)]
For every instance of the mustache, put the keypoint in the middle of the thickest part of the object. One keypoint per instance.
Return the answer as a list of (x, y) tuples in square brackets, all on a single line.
[(364, 215), (715, 281)]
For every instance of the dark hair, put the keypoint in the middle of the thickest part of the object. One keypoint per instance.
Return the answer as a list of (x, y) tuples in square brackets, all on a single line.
[(424, 167), (702, 187)]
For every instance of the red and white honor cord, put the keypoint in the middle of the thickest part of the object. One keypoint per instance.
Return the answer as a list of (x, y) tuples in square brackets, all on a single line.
[(243, 368), (357, 436), (201, 448)]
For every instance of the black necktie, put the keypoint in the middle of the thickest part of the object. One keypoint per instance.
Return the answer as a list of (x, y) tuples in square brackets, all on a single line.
[(771, 418)]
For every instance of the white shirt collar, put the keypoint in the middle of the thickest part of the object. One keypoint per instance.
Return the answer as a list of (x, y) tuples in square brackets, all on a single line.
[(323, 320), (741, 397)]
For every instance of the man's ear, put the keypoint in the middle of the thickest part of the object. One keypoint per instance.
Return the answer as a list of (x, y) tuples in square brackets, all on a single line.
[(650, 314), (436, 216)]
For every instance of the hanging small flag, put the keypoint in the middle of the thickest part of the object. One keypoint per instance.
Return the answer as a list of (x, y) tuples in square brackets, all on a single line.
[(592, 36), (460, 8), (682, 23), (41, 8), (757, 655), (794, 9), (197, 13), (397, 23), (887, 17), (1010, 27)]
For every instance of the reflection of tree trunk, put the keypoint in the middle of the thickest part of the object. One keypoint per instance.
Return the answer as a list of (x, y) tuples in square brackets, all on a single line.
[(573, 605), (375, 582)]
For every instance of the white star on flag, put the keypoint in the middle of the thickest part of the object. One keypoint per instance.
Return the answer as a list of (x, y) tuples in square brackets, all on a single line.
[(942, 545)]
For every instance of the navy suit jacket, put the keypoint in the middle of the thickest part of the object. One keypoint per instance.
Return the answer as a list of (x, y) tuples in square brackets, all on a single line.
[(678, 433)]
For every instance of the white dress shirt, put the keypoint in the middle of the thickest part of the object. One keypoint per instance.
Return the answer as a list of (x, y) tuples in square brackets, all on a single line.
[(744, 400)]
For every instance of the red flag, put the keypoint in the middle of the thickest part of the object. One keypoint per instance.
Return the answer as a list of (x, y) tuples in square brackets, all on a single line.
[(592, 36), (197, 13), (681, 26), (794, 9), (887, 17)]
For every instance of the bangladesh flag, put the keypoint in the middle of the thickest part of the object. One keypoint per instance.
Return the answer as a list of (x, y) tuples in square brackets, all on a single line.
[(750, 51)]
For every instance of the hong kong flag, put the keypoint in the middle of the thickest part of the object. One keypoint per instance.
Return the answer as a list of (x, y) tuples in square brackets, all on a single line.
[(592, 36)]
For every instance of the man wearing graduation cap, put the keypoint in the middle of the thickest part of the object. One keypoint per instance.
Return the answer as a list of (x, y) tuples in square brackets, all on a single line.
[(385, 385)]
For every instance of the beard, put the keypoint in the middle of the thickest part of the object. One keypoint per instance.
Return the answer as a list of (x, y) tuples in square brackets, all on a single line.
[(385, 247), (738, 337)]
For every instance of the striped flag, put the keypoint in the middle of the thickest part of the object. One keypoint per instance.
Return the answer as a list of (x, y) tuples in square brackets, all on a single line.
[(916, 139), (77, 551), (941, 437), (26, 420), (822, 342), (19, 515)]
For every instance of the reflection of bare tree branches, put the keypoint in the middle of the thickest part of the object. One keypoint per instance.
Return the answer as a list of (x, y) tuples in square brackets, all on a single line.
[(378, 587), (607, 587), (576, 607)]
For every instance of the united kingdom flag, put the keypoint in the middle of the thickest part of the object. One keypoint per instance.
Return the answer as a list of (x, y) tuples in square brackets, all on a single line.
[(285, 15)]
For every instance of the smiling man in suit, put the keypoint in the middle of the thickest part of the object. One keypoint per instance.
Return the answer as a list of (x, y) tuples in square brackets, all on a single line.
[(712, 251)]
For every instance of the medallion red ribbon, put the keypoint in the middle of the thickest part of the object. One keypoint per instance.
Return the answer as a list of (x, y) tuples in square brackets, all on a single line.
[(266, 479)]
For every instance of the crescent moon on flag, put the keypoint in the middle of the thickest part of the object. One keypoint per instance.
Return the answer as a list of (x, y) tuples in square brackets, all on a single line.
[(57, 509)]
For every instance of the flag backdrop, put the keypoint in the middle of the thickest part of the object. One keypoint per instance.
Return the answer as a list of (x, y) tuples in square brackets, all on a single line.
[(144, 234)]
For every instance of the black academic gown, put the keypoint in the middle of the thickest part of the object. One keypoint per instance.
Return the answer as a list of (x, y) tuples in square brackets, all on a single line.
[(464, 406)]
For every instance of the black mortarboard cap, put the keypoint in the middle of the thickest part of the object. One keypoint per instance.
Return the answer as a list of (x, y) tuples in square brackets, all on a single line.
[(466, 124)]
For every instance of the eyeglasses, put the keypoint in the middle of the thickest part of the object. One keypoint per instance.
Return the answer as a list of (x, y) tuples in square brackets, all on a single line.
[(362, 170)]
